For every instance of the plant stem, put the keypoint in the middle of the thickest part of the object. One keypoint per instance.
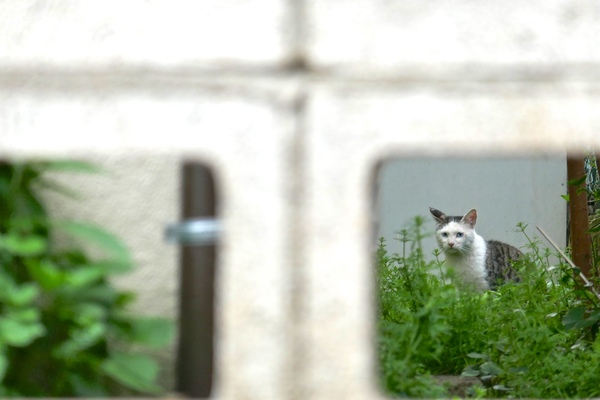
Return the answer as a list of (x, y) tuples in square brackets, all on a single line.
[(587, 283)]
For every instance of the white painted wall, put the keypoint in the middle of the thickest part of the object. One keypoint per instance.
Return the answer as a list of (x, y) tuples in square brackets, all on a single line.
[(293, 147), (505, 191)]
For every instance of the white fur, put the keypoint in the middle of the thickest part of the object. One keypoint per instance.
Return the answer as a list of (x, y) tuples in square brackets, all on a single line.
[(464, 254)]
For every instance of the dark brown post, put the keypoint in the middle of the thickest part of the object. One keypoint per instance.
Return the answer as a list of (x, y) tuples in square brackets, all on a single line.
[(578, 214), (196, 309)]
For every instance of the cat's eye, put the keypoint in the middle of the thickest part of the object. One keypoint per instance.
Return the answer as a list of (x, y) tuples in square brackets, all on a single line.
[(459, 234), (444, 234)]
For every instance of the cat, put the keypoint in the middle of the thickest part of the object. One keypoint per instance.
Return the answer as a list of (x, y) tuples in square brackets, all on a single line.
[(478, 263)]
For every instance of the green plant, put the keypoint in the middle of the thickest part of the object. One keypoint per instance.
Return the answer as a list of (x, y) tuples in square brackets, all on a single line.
[(64, 329), (533, 339), (593, 189)]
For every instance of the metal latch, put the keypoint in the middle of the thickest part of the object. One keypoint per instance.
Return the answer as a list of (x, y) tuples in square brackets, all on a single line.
[(197, 231)]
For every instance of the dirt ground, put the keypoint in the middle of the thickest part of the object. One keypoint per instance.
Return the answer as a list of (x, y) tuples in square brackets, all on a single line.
[(457, 385)]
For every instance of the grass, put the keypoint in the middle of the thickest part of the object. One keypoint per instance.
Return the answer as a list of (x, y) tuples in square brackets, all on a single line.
[(534, 339)]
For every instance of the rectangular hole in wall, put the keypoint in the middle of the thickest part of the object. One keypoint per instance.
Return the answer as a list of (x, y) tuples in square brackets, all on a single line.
[(533, 339), (97, 299)]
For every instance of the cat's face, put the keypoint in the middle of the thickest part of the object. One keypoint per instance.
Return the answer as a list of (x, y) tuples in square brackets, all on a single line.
[(454, 237), (455, 234)]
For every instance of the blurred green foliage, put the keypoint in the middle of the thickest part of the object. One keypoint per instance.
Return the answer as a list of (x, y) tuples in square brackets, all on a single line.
[(64, 328)]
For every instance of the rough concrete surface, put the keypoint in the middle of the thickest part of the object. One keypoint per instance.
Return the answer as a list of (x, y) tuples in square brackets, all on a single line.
[(156, 34), (293, 105)]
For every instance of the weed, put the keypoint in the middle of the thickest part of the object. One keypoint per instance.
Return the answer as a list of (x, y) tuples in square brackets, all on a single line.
[(536, 338)]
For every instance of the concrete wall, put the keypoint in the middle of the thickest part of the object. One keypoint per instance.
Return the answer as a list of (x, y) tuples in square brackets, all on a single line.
[(135, 196), (293, 104), (504, 192)]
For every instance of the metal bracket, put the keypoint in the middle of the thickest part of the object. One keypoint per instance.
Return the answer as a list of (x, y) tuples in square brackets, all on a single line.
[(198, 231)]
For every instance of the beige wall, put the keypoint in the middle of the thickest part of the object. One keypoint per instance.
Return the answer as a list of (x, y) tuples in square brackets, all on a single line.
[(292, 104), (134, 196)]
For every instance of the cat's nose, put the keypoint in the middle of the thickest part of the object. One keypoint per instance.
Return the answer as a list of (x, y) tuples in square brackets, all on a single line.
[(450, 244)]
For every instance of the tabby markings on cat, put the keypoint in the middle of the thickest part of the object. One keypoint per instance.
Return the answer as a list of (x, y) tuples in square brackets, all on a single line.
[(478, 263)]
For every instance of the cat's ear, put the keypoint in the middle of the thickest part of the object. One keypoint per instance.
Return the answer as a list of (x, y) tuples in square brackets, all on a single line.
[(470, 218), (439, 216)]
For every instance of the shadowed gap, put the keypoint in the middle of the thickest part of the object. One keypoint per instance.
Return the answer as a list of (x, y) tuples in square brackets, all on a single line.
[(195, 358)]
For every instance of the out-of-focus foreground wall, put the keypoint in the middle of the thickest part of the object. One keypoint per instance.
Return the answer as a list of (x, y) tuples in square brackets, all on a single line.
[(292, 104)]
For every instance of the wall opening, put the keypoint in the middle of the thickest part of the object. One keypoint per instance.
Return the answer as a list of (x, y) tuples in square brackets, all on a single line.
[(437, 338), (97, 301)]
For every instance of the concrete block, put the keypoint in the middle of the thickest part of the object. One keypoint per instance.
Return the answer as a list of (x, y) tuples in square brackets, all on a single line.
[(244, 135), (150, 34), (350, 129), (442, 36)]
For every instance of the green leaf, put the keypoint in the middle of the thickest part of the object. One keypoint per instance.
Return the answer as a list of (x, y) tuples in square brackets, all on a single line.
[(122, 299), (19, 334), (577, 181), (3, 365), (70, 166), (478, 355), (153, 332), (565, 196), (85, 388), (31, 314), (87, 314), (84, 277), (471, 370), (518, 370), (102, 294), (490, 368), (574, 319), (63, 190), (594, 228), (23, 295), (23, 245), (7, 282), (81, 339), (110, 267), (594, 317), (99, 237), (135, 371), (45, 273)]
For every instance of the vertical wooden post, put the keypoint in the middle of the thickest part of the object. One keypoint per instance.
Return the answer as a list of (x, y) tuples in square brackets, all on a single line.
[(578, 213), (196, 308)]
